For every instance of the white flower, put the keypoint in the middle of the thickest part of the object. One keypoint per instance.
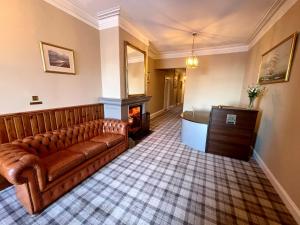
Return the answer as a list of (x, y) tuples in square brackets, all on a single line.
[(255, 90)]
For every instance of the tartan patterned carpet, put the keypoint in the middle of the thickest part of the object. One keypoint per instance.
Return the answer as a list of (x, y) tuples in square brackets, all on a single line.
[(161, 181)]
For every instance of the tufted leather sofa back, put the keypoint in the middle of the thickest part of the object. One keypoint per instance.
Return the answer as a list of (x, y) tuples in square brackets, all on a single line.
[(43, 145), (114, 126)]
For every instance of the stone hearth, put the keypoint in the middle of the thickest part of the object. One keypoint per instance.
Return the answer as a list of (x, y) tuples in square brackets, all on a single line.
[(118, 108)]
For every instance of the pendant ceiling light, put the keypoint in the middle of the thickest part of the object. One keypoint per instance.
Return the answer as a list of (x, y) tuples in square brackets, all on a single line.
[(192, 61)]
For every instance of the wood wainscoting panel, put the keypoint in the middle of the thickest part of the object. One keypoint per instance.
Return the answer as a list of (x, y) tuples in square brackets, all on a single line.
[(19, 125)]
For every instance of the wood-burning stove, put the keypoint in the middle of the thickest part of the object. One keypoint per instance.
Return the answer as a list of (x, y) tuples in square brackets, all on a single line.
[(135, 118)]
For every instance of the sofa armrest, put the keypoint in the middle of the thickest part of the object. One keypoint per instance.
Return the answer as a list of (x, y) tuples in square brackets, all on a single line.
[(115, 126), (14, 161)]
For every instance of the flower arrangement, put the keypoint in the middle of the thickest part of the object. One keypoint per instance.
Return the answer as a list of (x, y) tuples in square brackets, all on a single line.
[(253, 92)]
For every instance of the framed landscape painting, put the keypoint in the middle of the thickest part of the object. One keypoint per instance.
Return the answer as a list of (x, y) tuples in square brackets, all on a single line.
[(276, 63), (57, 59)]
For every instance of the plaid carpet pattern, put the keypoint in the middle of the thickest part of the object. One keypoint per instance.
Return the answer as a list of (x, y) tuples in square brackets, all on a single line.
[(161, 181)]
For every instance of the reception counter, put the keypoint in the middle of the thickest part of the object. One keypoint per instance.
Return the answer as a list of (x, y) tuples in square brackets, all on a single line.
[(194, 129)]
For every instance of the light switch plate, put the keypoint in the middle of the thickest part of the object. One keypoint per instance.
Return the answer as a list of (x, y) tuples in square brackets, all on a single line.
[(35, 98)]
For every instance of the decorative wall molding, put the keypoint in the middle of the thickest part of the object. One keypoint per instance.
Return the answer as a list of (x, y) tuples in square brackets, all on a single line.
[(266, 17), (112, 18), (108, 22), (75, 11), (290, 204), (204, 51), (127, 26), (273, 15), (153, 53), (114, 11), (108, 18)]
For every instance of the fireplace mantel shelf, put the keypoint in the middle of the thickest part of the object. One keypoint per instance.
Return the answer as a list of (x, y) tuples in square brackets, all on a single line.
[(126, 101)]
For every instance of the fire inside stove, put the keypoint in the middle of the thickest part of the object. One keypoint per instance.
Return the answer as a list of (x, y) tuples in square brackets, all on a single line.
[(135, 117)]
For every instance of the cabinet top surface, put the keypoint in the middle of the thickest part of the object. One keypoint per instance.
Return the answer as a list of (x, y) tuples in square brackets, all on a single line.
[(222, 107)]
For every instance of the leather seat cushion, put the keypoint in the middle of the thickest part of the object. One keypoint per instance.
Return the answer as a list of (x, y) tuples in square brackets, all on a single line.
[(61, 162), (88, 148), (109, 139)]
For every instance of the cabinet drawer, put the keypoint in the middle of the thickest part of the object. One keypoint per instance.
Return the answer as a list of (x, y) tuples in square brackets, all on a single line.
[(244, 120), (230, 139), (231, 131), (238, 136)]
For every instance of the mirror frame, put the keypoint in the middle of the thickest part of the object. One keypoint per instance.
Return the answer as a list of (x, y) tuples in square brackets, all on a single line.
[(128, 44)]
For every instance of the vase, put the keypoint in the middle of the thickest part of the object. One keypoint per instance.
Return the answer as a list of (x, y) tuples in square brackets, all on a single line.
[(251, 102)]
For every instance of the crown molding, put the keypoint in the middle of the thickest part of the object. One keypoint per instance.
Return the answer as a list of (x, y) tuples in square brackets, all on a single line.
[(278, 10), (152, 52), (105, 19), (114, 11), (108, 18), (74, 11), (204, 51), (111, 18), (108, 22), (117, 21), (266, 17), (127, 26)]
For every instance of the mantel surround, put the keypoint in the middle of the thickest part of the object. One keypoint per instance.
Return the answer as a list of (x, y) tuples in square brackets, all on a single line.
[(118, 108)]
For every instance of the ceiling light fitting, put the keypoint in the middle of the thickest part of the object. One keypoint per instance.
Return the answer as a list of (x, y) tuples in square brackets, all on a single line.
[(192, 61)]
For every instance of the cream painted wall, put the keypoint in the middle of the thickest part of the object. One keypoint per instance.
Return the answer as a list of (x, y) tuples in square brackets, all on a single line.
[(217, 81), (110, 63), (136, 78), (155, 87), (23, 25), (278, 134), (170, 63)]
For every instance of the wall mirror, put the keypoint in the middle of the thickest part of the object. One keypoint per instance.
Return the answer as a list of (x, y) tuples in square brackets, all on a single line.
[(135, 70)]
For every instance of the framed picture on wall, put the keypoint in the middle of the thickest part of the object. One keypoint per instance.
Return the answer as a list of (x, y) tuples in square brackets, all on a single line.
[(276, 63), (57, 59)]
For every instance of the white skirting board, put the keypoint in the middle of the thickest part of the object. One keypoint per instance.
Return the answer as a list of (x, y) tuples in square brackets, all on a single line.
[(290, 204), (158, 113)]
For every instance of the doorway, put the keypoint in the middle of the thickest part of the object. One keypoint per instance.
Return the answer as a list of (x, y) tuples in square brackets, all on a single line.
[(174, 87), (167, 93)]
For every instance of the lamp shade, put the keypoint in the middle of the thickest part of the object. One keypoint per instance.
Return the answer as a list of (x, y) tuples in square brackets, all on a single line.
[(191, 62)]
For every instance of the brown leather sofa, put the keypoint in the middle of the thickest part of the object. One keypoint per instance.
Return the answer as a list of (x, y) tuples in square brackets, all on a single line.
[(45, 166)]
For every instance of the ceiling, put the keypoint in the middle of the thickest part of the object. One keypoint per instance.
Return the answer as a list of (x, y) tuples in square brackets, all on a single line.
[(168, 24)]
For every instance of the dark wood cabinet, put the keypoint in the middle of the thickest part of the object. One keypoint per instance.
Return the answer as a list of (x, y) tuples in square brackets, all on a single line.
[(231, 132)]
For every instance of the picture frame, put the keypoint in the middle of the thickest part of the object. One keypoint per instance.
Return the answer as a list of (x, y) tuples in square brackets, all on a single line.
[(276, 63), (57, 59)]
